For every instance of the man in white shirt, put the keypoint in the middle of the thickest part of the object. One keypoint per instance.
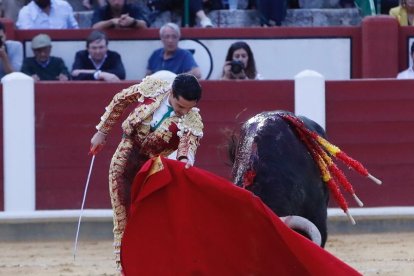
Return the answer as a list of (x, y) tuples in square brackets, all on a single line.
[(409, 73), (47, 14)]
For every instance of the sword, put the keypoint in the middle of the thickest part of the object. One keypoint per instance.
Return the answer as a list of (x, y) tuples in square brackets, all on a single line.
[(83, 203)]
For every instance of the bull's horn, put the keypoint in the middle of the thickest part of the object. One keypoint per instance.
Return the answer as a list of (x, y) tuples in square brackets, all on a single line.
[(304, 225)]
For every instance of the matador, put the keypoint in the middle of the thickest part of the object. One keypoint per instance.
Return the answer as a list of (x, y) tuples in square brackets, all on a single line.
[(165, 120)]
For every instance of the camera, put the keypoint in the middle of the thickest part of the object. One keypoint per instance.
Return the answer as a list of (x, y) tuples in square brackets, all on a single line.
[(236, 66)]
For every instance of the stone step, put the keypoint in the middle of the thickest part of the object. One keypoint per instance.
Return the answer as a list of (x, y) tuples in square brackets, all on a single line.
[(250, 18), (77, 4)]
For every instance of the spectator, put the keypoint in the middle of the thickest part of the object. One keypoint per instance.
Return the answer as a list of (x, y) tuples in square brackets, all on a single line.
[(97, 62), (272, 12), (119, 14), (47, 14), (43, 66), (240, 63), (10, 9), (409, 73), (215, 4), (195, 10), (89, 3), (11, 54), (404, 13), (171, 57), (387, 5)]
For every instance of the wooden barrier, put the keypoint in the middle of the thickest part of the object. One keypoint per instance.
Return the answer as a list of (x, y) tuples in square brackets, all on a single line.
[(371, 120)]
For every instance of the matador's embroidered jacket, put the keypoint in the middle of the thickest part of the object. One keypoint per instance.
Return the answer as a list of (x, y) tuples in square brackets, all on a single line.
[(174, 133)]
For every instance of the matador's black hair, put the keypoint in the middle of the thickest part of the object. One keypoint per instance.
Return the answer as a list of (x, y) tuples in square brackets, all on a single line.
[(186, 86)]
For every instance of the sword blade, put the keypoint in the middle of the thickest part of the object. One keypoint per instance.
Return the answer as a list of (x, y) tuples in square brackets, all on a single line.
[(81, 211)]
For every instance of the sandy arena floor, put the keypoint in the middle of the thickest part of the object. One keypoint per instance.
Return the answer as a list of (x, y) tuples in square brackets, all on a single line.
[(372, 254)]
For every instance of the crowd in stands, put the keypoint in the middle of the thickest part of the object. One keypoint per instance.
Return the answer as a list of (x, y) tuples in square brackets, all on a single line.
[(59, 14), (120, 13), (97, 62)]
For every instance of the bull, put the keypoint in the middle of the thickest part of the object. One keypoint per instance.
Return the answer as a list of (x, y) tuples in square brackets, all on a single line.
[(276, 157)]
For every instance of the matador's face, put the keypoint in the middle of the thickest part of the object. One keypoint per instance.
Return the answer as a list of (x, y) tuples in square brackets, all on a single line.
[(180, 105)]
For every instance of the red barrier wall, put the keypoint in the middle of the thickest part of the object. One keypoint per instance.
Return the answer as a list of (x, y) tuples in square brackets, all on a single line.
[(1, 152), (67, 113), (371, 120), (379, 47)]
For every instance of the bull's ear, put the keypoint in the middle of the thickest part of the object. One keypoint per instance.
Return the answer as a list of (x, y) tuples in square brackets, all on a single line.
[(312, 125)]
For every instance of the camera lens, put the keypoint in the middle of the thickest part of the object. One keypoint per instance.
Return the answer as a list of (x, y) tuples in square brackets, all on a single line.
[(236, 66)]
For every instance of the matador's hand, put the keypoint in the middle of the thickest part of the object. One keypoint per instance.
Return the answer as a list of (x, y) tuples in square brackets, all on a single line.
[(97, 142), (187, 162)]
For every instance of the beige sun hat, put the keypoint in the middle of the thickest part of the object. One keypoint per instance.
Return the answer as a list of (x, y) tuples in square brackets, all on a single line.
[(41, 41)]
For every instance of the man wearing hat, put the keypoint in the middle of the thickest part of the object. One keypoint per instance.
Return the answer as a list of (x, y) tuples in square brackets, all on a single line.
[(43, 66)]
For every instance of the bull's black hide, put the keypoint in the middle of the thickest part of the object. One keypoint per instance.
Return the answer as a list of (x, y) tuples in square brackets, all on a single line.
[(274, 163)]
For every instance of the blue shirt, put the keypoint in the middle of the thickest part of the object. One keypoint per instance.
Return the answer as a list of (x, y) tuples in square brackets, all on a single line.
[(182, 61)]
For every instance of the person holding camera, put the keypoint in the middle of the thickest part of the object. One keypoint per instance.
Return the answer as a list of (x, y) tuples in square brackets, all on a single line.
[(240, 63), (11, 54)]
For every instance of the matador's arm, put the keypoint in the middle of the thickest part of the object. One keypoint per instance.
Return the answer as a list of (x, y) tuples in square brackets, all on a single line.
[(149, 87), (190, 133), (116, 107)]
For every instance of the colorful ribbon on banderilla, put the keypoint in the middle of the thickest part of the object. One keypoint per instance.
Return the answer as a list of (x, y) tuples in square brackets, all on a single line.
[(321, 151)]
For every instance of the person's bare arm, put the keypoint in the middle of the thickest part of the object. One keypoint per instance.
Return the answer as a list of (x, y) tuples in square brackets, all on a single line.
[(196, 72), (126, 21), (105, 76), (106, 24), (5, 60), (62, 77), (87, 4), (76, 72)]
